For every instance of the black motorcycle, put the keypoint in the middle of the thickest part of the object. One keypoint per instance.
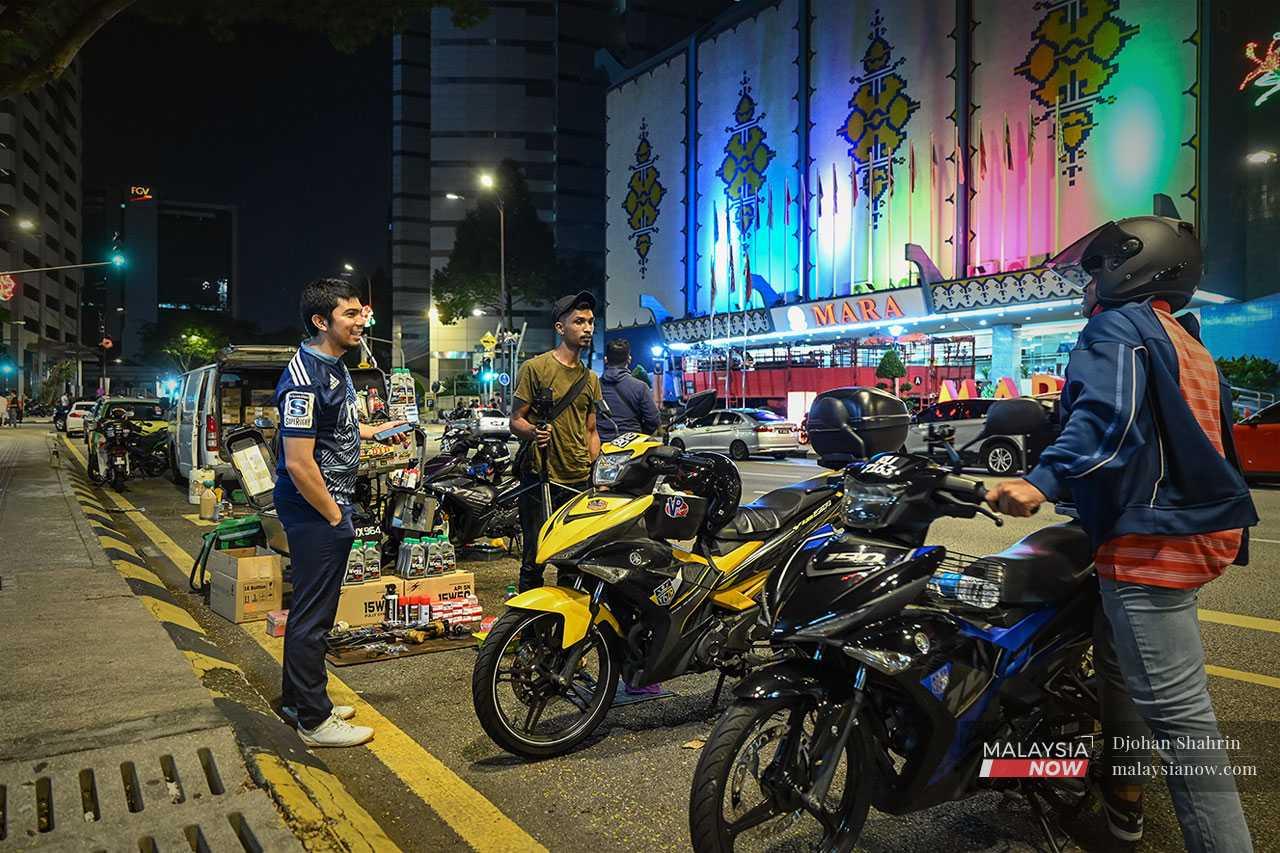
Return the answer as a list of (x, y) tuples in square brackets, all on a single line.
[(908, 663), (110, 461), (149, 454)]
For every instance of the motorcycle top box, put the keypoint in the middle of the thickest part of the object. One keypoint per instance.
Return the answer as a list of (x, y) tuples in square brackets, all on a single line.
[(856, 423)]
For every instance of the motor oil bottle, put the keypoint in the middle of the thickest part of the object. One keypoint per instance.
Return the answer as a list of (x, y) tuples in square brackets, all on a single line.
[(207, 501), (434, 557), (418, 559), (402, 556), (449, 554), (372, 559), (355, 564)]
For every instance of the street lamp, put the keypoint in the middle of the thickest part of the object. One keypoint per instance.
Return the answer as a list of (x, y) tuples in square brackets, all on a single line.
[(453, 197), (348, 267), (26, 224), (477, 312), (1261, 158), (490, 184)]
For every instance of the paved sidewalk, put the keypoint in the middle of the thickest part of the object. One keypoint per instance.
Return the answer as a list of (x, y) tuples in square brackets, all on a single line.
[(106, 735)]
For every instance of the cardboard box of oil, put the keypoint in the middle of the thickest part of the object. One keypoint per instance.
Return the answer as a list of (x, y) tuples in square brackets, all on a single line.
[(244, 583), (362, 603), (442, 589)]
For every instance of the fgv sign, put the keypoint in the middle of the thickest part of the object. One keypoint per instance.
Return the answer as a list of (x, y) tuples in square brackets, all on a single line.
[(888, 305)]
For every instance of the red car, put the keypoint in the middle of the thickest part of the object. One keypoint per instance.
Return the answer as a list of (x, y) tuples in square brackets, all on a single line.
[(1257, 441)]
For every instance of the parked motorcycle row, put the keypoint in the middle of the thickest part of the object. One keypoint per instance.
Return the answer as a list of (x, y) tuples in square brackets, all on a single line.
[(872, 666)]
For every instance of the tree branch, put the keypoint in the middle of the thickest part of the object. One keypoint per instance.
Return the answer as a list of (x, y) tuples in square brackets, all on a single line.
[(60, 54)]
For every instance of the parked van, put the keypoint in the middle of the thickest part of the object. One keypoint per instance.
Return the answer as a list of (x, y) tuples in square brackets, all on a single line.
[(234, 391)]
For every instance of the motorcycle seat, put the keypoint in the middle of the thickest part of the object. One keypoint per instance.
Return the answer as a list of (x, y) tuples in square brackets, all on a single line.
[(772, 511), (1046, 566)]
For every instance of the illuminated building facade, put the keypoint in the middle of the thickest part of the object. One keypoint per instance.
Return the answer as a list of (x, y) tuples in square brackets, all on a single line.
[(776, 180)]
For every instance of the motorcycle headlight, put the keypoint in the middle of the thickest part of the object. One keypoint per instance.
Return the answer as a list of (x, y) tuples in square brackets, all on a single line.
[(865, 505), (608, 468)]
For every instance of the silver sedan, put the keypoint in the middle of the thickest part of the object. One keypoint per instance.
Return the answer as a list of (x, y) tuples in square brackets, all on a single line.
[(740, 433)]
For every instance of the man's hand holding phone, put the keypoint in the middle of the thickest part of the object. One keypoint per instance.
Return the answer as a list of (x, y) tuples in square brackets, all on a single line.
[(393, 432)]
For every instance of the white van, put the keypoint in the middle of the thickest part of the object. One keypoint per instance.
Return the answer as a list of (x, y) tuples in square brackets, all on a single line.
[(238, 388)]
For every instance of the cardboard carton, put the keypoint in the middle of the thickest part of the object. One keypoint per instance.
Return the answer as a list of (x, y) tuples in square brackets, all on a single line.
[(245, 583), (245, 563), (361, 603), (443, 589)]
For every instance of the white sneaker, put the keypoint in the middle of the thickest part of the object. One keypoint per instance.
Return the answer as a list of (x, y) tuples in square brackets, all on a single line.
[(342, 712), (335, 732)]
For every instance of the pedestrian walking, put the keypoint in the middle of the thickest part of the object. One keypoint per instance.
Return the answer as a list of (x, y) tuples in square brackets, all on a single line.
[(554, 413), (630, 400), (314, 497), (4, 410), (1147, 456)]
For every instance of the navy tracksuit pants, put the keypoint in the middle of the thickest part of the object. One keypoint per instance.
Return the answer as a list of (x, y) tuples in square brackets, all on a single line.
[(318, 556)]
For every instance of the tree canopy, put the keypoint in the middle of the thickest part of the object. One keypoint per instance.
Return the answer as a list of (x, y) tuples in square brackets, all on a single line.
[(470, 280), (40, 38)]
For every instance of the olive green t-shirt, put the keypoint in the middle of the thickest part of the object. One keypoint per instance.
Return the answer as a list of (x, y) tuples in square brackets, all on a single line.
[(570, 461)]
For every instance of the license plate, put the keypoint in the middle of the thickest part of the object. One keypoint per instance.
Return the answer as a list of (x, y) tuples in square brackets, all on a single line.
[(784, 429)]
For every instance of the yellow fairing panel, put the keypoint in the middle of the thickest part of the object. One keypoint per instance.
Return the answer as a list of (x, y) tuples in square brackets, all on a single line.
[(637, 444), (742, 596), (587, 515), (728, 562), (571, 605)]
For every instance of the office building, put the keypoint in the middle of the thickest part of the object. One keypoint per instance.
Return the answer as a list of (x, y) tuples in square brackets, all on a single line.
[(182, 257), (525, 85), (40, 227)]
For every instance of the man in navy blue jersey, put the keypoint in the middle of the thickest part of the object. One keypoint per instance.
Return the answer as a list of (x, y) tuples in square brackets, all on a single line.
[(314, 491)]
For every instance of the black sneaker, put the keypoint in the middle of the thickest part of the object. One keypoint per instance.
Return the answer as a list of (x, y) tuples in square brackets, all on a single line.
[(1124, 817)]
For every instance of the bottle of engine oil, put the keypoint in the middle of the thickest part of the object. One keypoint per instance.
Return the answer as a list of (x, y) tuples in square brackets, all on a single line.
[(418, 559), (449, 554), (355, 563), (372, 559), (435, 560)]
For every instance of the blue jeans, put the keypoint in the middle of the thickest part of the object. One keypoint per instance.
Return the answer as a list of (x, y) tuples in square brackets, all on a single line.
[(1157, 638)]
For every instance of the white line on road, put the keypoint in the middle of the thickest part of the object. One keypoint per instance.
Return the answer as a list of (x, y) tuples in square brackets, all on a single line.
[(1268, 541)]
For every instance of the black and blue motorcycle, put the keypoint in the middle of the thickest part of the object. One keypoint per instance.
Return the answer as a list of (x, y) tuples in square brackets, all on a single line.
[(904, 662)]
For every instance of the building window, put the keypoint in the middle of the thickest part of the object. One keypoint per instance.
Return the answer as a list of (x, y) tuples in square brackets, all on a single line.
[(51, 151), (52, 212), (52, 182), (70, 311), (53, 276), (70, 256), (53, 302), (52, 334), (52, 242), (70, 200), (30, 259), (71, 229), (71, 339), (70, 172), (7, 142), (32, 195), (32, 163), (32, 325), (6, 177)]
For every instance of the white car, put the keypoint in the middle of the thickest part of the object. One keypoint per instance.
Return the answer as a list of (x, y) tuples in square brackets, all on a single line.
[(75, 417), (741, 433), (490, 422)]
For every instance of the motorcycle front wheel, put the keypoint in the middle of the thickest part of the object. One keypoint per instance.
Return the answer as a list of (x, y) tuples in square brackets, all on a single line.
[(519, 705), (754, 768)]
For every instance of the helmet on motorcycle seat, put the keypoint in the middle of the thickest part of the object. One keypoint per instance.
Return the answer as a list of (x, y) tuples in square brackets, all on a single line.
[(1135, 259)]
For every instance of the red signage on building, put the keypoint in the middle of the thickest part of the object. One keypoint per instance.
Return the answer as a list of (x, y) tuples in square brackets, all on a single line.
[(139, 193), (8, 288), (855, 310)]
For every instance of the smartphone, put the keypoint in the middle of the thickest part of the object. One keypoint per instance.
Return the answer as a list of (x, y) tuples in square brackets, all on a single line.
[(393, 431)]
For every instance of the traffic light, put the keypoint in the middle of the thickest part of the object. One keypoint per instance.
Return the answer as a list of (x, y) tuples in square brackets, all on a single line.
[(117, 256)]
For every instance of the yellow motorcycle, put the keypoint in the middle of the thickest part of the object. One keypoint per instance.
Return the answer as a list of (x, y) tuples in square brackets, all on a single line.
[(667, 570)]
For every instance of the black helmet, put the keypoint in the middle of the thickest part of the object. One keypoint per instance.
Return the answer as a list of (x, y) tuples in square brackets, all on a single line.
[(1136, 259)]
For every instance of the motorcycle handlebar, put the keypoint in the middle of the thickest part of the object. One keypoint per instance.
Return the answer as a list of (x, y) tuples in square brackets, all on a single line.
[(964, 488)]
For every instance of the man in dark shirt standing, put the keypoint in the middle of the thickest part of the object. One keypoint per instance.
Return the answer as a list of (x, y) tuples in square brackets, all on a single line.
[(315, 487), (630, 400)]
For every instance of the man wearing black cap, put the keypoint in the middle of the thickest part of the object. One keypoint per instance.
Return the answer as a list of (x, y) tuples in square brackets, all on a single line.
[(554, 407)]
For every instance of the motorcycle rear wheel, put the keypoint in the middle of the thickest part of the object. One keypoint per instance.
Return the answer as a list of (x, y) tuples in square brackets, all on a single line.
[(736, 751), (520, 649)]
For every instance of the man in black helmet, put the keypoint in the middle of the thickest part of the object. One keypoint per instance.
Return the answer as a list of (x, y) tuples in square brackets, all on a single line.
[(1146, 454)]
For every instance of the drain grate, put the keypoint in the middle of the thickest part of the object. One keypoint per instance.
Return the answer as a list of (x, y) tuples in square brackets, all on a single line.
[(185, 792)]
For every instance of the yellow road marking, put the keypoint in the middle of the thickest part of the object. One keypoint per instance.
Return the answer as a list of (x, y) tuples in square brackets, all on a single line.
[(467, 812), (1241, 675), (476, 820), (332, 811), (138, 573), (204, 664), (172, 613), (117, 544), (1239, 620)]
